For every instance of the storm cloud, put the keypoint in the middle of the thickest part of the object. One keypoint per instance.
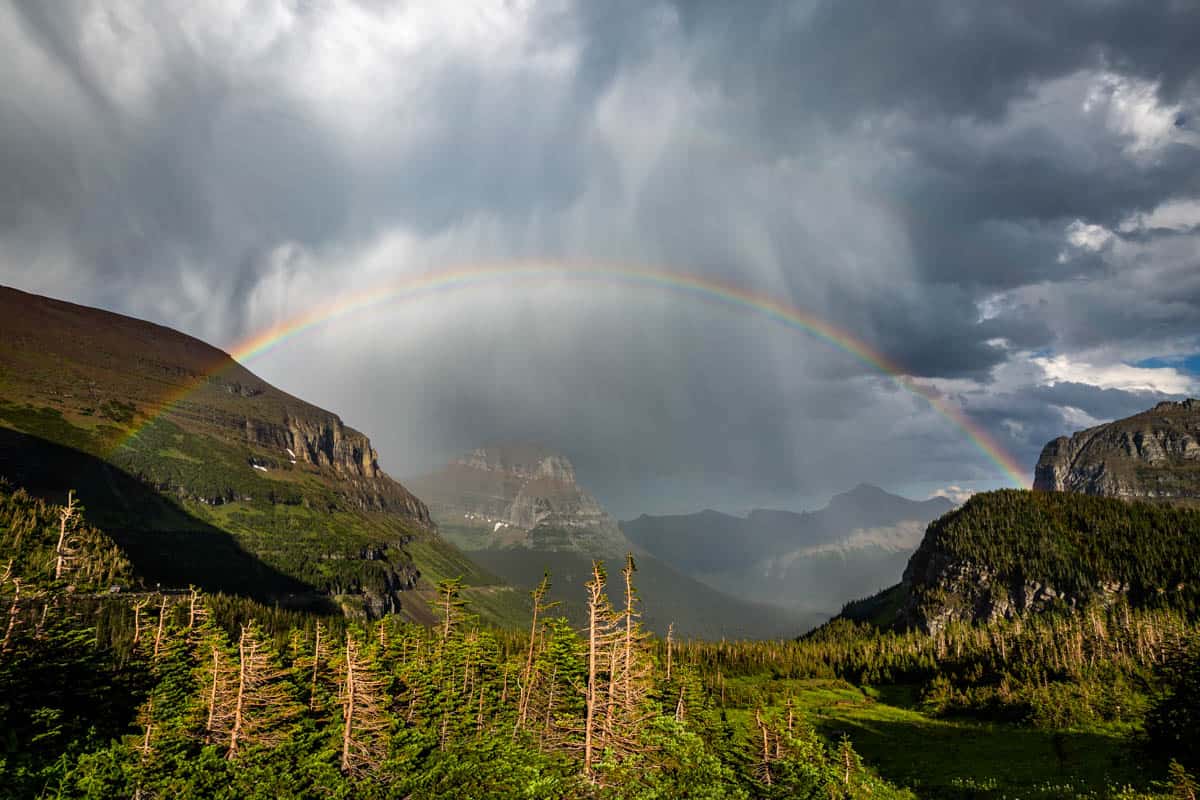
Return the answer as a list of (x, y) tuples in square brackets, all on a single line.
[(1000, 198)]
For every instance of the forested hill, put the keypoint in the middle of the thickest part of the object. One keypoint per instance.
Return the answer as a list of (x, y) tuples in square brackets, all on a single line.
[(1009, 553), (205, 474)]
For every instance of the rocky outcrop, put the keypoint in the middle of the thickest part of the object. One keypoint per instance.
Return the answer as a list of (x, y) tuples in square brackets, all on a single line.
[(520, 495), (322, 441), (1153, 455), (942, 589)]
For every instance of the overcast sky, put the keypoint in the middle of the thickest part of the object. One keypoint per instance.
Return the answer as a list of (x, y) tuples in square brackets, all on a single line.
[(1003, 198)]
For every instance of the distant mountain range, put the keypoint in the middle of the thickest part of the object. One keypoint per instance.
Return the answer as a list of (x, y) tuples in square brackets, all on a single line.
[(518, 510), (812, 562), (206, 474)]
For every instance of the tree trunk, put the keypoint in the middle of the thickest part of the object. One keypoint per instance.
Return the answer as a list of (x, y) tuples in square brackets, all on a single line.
[(60, 551), (14, 611), (239, 708), (348, 707), (162, 616)]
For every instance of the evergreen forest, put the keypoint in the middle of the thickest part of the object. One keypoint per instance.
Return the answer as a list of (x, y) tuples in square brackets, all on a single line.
[(143, 693)]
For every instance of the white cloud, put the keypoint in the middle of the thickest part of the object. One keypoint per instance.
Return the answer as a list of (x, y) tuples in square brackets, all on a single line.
[(1088, 237), (1175, 215), (1131, 109), (1114, 376), (954, 493), (1078, 419)]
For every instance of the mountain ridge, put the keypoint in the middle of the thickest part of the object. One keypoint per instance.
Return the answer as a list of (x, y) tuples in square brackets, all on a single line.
[(111, 401), (1153, 455), (813, 561)]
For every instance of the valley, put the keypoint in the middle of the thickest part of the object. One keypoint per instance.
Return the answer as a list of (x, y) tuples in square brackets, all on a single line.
[(504, 633)]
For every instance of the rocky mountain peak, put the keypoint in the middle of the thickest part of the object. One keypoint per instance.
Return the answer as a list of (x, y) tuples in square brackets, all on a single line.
[(525, 461), (862, 493), (505, 490), (1153, 455)]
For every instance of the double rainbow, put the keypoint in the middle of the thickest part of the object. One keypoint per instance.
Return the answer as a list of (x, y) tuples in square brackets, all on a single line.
[(704, 289)]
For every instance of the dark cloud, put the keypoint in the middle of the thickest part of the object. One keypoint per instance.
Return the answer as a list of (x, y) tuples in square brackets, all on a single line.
[(923, 181), (839, 61)]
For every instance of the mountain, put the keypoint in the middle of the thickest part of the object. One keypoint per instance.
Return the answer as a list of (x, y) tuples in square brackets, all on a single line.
[(519, 511), (203, 472), (815, 561), (519, 495), (1154, 455), (1009, 553)]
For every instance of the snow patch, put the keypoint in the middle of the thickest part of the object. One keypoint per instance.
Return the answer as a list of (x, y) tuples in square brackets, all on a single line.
[(290, 453), (256, 466)]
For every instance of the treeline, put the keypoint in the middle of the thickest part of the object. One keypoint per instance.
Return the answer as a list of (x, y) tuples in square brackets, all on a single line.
[(1076, 542), (1102, 665), (191, 695), (389, 709)]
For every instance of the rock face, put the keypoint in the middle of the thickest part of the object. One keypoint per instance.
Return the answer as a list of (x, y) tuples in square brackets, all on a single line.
[(1154, 455), (519, 495), (322, 441), (186, 420), (943, 589)]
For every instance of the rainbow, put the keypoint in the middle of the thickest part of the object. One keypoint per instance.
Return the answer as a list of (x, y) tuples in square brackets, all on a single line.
[(705, 289)]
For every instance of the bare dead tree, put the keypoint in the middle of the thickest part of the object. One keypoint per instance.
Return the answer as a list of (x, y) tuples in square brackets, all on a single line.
[(364, 714), (219, 697), (197, 611), (320, 656), (162, 618), (670, 647), (261, 707), (527, 674), (14, 610), (62, 550), (137, 618), (764, 765), (599, 634)]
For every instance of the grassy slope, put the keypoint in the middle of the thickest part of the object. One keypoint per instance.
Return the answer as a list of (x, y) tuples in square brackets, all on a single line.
[(75, 382), (940, 758), (291, 540)]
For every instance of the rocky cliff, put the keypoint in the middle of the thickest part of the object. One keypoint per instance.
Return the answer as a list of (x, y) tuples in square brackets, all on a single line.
[(1008, 553), (305, 509), (944, 588), (518, 495), (1154, 455)]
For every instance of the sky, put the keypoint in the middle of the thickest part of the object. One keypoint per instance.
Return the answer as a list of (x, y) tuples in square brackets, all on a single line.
[(1003, 199)]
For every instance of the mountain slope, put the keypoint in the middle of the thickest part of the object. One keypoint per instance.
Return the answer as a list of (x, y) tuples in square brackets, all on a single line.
[(813, 561), (1009, 553), (1154, 455), (519, 510), (202, 471)]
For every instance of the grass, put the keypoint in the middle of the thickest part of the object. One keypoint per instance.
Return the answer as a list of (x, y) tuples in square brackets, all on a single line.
[(951, 758), (283, 533)]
